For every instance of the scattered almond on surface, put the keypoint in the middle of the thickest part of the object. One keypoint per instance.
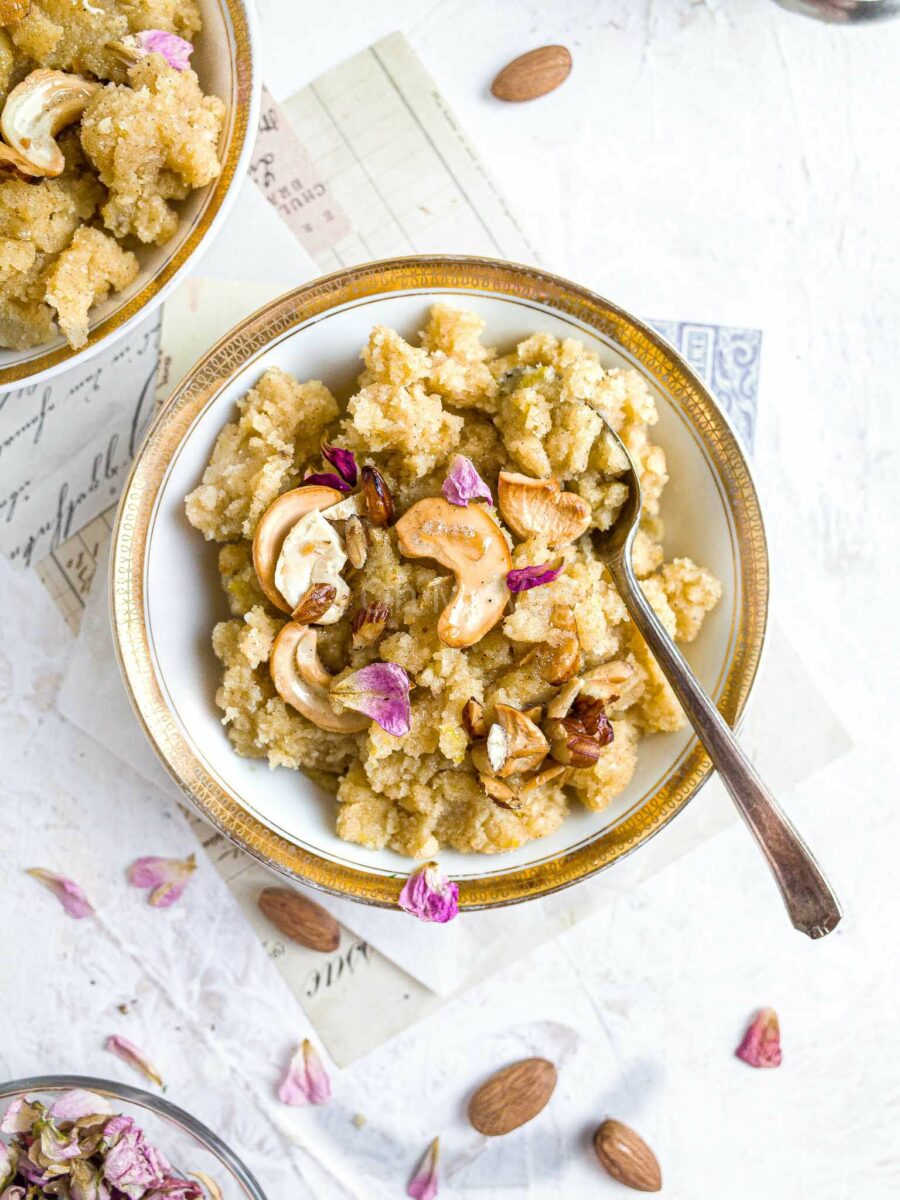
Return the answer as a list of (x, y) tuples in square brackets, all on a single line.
[(512, 1096), (300, 919), (533, 74), (627, 1157)]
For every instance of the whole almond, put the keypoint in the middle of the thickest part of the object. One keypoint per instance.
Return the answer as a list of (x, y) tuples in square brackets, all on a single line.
[(356, 542), (512, 1096), (533, 74), (379, 502), (300, 919), (627, 1157), (314, 603)]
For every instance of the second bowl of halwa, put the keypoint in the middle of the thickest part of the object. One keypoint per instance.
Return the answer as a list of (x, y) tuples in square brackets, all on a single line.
[(123, 133)]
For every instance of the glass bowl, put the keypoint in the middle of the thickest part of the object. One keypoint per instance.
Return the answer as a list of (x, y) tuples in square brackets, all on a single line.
[(185, 1142)]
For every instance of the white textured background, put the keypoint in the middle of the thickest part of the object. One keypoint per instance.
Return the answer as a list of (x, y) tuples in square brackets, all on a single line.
[(724, 161)]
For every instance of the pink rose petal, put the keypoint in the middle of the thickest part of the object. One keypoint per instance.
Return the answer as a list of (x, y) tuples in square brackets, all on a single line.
[(175, 1189), (381, 691), (19, 1117), (343, 461), (429, 895), (463, 483), (761, 1045), (175, 50), (86, 1182), (67, 892), (77, 1103), (327, 479), (31, 1171), (9, 1156), (424, 1184), (132, 1164), (130, 1054), (57, 1147), (306, 1080), (524, 578), (167, 876)]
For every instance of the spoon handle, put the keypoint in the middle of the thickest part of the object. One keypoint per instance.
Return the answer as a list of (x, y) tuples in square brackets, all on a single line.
[(812, 905)]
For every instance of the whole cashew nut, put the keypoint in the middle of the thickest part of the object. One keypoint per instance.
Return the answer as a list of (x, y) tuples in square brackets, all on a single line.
[(471, 544), (302, 682), (275, 524), (34, 113)]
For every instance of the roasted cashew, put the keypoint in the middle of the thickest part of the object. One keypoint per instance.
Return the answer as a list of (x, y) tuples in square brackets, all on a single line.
[(471, 544), (276, 523), (34, 113), (302, 682), (539, 506)]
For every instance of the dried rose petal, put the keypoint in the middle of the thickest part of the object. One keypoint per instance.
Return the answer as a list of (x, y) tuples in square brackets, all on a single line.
[(130, 1054), (524, 578), (175, 50), (86, 1182), (132, 1164), (761, 1045), (9, 1156), (167, 876), (306, 1080), (172, 1188), (463, 483), (381, 691), (31, 1171), (55, 1147), (90, 1131), (13, 1193), (327, 479), (20, 1116), (424, 1184), (213, 1191), (77, 1104), (343, 461), (429, 895), (67, 892)]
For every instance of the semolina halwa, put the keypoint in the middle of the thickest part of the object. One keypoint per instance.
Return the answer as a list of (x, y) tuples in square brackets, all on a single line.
[(522, 703), (140, 137)]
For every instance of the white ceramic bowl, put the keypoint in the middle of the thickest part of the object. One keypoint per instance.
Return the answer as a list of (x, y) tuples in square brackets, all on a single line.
[(166, 592), (226, 63)]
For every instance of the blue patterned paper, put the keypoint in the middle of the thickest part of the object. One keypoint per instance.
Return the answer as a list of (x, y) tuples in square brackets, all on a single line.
[(727, 360)]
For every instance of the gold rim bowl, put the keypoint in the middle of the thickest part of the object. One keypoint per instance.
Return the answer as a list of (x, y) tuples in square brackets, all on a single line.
[(531, 298)]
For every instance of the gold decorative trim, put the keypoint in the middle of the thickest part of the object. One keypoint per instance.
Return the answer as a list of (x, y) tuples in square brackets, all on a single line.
[(242, 345), (236, 140)]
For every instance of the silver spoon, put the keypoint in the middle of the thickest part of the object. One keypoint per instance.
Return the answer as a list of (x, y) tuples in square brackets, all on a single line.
[(849, 12), (812, 905)]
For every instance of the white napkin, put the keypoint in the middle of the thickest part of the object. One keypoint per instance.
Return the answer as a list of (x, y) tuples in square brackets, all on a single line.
[(789, 731)]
